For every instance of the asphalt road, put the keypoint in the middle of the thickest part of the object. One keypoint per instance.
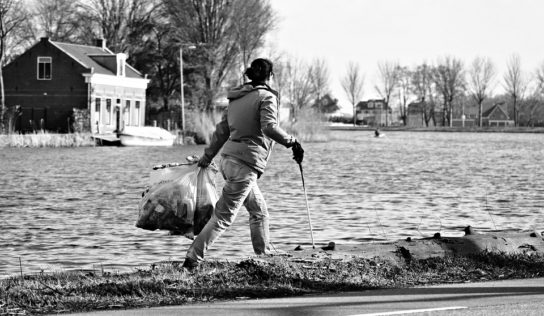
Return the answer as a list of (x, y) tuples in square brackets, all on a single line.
[(509, 297)]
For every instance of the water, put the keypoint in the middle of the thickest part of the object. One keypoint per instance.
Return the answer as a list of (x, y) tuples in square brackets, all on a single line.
[(75, 208)]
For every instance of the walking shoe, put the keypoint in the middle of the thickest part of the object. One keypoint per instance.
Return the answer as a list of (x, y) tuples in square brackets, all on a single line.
[(189, 264)]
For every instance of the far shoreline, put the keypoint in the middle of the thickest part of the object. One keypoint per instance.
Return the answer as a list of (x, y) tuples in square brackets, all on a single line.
[(459, 129)]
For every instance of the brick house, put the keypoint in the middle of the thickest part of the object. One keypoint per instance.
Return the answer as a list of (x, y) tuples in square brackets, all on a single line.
[(496, 116), (52, 81), (373, 112)]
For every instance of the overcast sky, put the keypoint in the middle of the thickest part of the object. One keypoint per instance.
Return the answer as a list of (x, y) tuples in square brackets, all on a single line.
[(410, 32)]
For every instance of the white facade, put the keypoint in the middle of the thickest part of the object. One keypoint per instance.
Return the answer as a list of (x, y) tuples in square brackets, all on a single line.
[(115, 102)]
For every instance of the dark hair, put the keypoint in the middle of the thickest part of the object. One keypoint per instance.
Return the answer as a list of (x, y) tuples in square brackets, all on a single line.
[(260, 70)]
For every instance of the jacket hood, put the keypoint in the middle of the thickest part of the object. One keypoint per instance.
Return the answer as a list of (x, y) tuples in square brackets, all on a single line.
[(245, 89)]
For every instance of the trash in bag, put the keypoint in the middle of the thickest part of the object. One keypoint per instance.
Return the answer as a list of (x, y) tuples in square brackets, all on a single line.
[(181, 198)]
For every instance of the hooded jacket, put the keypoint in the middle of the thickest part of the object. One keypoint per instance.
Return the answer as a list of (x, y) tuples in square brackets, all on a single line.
[(249, 126)]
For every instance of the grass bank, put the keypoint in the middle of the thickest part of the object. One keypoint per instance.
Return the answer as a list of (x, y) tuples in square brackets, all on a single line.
[(167, 284), (45, 139)]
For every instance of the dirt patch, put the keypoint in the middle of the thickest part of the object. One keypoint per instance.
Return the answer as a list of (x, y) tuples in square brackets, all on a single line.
[(438, 246)]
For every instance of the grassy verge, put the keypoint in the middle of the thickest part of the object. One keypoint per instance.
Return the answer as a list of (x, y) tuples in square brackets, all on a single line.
[(45, 139), (167, 284)]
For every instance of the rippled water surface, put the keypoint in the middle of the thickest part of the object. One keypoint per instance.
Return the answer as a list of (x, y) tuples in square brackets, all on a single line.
[(75, 208)]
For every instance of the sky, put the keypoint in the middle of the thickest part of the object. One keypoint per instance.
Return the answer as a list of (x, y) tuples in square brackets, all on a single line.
[(409, 32)]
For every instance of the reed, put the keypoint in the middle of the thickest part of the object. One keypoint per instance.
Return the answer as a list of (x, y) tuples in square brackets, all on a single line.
[(202, 125), (310, 126), (46, 139)]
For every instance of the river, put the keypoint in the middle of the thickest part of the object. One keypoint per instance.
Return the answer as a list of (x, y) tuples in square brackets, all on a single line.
[(75, 208)]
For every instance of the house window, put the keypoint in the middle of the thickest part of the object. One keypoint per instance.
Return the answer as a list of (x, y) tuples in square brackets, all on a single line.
[(136, 121), (126, 113), (44, 68), (109, 113)]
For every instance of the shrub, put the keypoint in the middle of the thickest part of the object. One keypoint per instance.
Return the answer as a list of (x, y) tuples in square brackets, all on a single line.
[(201, 125), (310, 126)]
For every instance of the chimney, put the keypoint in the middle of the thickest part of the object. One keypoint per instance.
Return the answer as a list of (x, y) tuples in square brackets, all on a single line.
[(121, 61), (100, 42)]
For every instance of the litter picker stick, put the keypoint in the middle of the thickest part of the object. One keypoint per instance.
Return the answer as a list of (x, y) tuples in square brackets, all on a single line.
[(307, 205)]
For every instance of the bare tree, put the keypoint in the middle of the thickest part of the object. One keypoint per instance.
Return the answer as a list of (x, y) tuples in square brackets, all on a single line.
[(515, 83), (388, 81), (481, 75), (353, 85), (279, 79), (211, 25), (449, 78), (319, 77), (539, 77), (422, 87), (159, 57), (13, 17), (116, 21), (299, 91), (56, 19), (405, 88), (255, 19), (530, 106)]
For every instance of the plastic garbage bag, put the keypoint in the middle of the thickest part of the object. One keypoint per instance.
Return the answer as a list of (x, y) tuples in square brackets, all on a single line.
[(206, 197), (181, 199)]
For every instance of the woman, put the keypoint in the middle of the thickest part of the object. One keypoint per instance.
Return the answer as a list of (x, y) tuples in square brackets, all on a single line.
[(247, 131)]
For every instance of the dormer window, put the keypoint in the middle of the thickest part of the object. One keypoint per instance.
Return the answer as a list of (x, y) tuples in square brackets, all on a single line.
[(44, 68)]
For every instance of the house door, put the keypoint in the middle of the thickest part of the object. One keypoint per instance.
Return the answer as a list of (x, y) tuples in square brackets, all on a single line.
[(117, 119)]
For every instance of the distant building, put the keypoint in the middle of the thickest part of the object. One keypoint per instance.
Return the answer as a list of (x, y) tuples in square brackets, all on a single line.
[(468, 116), (52, 80), (373, 112), (496, 116), (416, 114), (493, 116)]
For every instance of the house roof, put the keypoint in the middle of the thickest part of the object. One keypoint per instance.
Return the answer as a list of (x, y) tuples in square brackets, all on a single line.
[(83, 55), (492, 109), (364, 105)]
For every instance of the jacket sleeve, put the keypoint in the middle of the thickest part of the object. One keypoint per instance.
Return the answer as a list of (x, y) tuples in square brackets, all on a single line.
[(270, 122), (219, 137)]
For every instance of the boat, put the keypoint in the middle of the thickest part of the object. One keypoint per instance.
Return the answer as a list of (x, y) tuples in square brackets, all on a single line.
[(145, 136), (106, 139)]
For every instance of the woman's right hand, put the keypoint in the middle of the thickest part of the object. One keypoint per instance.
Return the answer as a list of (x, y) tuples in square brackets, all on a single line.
[(298, 152)]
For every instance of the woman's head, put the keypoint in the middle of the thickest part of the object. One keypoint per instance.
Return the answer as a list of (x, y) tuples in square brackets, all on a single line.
[(260, 70)]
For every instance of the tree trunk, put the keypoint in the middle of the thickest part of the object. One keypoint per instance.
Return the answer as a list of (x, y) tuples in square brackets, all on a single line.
[(515, 112), (444, 114), (450, 114), (386, 111), (354, 115), (480, 113), (165, 104), (2, 100)]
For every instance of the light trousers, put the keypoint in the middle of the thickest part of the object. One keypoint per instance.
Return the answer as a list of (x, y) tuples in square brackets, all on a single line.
[(240, 189)]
